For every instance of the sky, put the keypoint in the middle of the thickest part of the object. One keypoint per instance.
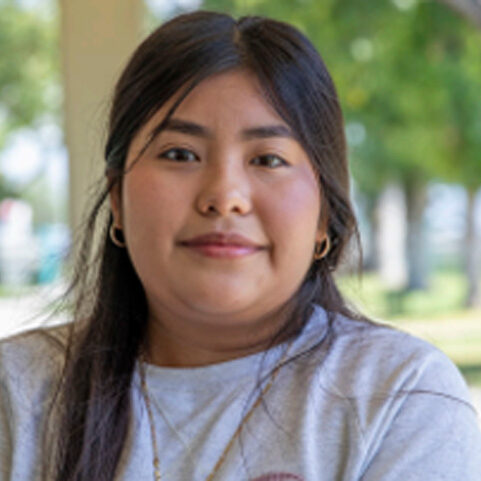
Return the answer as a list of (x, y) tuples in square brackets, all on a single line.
[(29, 152)]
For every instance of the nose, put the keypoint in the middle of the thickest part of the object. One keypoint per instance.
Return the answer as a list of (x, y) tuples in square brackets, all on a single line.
[(224, 189)]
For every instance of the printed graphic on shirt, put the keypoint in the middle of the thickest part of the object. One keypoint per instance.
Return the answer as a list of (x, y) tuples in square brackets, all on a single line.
[(278, 477)]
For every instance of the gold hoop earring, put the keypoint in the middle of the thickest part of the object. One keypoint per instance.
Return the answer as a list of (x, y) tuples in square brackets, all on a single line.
[(322, 248), (113, 236)]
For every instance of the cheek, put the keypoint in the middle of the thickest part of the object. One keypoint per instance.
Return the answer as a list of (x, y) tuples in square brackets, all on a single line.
[(150, 206), (291, 223), (294, 213), (292, 217)]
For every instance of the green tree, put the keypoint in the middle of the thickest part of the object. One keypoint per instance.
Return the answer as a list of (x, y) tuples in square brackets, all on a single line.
[(462, 144), (28, 68), (424, 66), (29, 81)]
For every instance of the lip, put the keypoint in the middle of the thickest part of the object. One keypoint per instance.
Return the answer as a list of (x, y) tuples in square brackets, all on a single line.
[(223, 251), (226, 245), (231, 239)]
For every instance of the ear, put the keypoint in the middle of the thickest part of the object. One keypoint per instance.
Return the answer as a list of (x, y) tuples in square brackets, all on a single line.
[(115, 201)]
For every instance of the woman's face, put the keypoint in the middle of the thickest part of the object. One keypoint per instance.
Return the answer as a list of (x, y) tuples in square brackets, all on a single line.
[(226, 163)]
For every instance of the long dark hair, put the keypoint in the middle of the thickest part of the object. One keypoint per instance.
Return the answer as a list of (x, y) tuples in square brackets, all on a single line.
[(93, 399)]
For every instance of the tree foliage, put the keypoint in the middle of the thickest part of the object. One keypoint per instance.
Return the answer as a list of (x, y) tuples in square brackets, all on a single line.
[(28, 67)]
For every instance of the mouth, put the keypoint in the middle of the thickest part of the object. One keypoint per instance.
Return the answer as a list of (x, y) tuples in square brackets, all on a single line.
[(223, 245), (223, 251)]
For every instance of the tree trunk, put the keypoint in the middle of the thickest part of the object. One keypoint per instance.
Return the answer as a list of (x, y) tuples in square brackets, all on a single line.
[(370, 245), (416, 242), (391, 237), (472, 254)]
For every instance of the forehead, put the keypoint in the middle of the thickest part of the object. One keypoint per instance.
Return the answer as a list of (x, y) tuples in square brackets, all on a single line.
[(227, 101), (236, 93)]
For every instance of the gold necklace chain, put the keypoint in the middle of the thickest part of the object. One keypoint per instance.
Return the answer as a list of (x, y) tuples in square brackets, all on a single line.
[(156, 460)]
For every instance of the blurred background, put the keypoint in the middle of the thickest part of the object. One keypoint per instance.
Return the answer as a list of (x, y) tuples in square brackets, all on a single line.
[(409, 78)]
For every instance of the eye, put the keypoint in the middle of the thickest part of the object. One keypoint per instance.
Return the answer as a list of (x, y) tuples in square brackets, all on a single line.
[(270, 160), (179, 155)]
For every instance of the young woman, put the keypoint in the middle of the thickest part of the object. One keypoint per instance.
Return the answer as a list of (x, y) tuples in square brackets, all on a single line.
[(210, 341)]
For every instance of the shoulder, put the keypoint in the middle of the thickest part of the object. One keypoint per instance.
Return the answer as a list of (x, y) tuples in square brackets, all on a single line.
[(366, 358), (42, 345), (31, 361), (412, 406)]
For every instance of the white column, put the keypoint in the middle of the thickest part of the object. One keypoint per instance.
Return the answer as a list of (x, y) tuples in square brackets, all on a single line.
[(97, 37)]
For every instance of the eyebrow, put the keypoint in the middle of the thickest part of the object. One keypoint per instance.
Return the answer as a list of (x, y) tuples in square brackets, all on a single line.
[(259, 132)]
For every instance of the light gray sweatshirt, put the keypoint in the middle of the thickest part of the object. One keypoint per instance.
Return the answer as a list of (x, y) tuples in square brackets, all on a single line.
[(377, 404)]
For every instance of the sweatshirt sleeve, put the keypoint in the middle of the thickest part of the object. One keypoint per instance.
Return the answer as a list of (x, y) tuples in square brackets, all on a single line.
[(5, 431), (29, 366), (433, 432)]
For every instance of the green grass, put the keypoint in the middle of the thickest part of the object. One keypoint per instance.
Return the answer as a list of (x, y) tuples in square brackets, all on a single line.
[(446, 293), (436, 315), (472, 374)]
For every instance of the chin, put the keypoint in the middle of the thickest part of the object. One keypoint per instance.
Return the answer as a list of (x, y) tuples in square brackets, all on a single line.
[(221, 304)]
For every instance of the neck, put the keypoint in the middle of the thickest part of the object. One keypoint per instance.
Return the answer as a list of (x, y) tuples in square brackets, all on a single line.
[(173, 343)]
